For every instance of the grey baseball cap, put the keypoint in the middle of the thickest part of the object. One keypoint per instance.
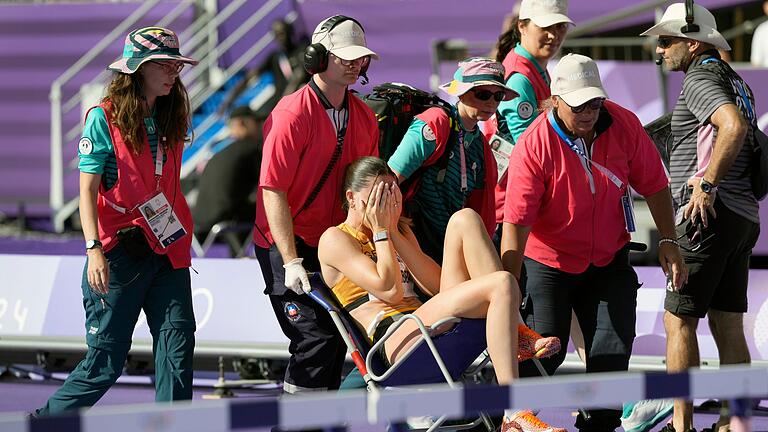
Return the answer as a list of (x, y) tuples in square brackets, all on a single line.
[(346, 40), (545, 13), (576, 80)]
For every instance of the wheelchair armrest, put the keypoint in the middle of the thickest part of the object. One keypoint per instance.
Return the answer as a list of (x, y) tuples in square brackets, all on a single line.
[(321, 293)]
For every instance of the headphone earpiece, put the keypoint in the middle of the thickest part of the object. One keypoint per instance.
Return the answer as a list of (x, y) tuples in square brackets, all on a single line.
[(316, 54), (315, 58), (690, 26)]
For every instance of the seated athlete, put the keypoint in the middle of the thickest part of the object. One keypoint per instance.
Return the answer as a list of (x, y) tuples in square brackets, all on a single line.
[(372, 261)]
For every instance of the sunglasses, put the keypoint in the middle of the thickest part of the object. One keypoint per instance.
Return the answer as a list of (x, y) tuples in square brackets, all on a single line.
[(594, 105), (169, 67), (362, 61), (484, 95), (665, 42)]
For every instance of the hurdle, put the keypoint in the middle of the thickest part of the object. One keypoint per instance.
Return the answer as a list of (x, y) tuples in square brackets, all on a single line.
[(369, 409)]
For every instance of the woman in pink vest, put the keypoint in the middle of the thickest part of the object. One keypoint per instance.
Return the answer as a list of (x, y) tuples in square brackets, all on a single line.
[(136, 223)]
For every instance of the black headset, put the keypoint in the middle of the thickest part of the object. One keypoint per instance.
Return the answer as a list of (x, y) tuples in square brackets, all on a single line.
[(689, 26), (316, 54)]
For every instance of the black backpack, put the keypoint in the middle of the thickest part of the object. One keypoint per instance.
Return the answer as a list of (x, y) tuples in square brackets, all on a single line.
[(759, 173), (395, 106), (758, 170)]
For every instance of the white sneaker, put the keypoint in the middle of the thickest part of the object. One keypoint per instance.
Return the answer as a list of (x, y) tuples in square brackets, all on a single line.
[(421, 422), (642, 416)]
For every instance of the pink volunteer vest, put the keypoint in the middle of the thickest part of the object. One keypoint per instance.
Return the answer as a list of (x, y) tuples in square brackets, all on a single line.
[(514, 63), (135, 184)]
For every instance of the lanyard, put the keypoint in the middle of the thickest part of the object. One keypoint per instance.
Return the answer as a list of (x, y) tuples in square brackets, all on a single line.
[(463, 160), (573, 146), (159, 161), (158, 175), (149, 123)]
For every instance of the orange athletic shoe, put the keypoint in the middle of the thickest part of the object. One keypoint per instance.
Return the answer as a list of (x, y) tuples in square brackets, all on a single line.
[(531, 344), (508, 425), (526, 421)]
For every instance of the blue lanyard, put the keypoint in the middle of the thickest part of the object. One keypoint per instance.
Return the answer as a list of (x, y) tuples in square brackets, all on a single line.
[(611, 176), (564, 136)]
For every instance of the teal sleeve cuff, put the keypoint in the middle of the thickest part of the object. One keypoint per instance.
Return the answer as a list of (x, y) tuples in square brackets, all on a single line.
[(417, 145), (96, 144), (519, 112)]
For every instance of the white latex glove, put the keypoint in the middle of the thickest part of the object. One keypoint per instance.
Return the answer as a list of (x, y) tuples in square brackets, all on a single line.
[(296, 277)]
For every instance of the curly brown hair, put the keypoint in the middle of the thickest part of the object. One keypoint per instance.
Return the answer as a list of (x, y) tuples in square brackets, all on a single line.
[(128, 111)]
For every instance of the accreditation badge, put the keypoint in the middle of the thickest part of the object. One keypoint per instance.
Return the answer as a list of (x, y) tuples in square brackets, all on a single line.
[(162, 220), (501, 149), (628, 205)]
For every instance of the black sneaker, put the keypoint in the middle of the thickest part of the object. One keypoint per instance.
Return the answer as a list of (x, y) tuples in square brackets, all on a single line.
[(669, 428)]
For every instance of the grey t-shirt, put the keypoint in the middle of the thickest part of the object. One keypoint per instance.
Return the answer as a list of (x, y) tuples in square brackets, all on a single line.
[(709, 84)]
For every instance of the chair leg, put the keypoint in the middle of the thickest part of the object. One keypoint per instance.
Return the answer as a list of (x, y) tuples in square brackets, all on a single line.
[(487, 422), (197, 247), (246, 244), (437, 424), (540, 367)]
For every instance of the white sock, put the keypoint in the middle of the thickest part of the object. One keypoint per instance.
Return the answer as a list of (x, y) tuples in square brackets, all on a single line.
[(510, 413)]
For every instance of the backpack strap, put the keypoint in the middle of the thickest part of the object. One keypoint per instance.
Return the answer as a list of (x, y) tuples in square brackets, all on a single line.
[(741, 92), (439, 157), (340, 133)]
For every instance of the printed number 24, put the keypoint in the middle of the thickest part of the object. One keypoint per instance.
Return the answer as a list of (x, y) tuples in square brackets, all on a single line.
[(19, 313)]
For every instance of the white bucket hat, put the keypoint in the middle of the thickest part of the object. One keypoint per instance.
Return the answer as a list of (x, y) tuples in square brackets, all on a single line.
[(576, 80), (545, 13), (673, 21)]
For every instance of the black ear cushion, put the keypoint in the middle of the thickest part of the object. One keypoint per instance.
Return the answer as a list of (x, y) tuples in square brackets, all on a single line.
[(315, 58)]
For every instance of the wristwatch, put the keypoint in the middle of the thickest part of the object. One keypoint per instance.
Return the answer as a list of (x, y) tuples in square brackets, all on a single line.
[(92, 244), (382, 235), (707, 187)]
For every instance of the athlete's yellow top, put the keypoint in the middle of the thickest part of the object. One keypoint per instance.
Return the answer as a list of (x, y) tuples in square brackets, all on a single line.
[(352, 296)]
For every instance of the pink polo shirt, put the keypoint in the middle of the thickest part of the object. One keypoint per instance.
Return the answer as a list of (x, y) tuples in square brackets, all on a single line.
[(298, 145), (548, 189)]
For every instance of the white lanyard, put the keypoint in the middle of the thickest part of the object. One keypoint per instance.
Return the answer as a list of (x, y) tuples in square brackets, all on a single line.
[(611, 176), (159, 161), (626, 199)]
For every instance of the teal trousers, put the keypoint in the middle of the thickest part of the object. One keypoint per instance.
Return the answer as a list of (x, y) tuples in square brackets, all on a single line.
[(165, 294)]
